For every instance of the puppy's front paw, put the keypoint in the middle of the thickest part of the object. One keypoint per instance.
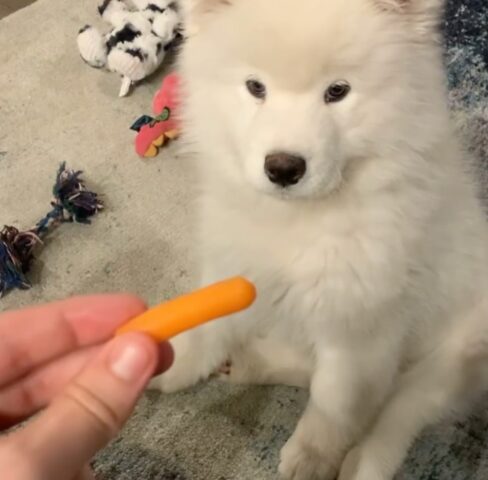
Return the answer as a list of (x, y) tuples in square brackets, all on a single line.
[(350, 466), (360, 465), (171, 382), (190, 366), (238, 370), (301, 462)]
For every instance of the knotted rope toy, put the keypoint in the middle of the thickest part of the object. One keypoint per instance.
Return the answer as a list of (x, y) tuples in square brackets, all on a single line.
[(72, 202)]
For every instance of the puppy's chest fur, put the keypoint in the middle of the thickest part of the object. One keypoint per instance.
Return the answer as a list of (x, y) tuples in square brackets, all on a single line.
[(291, 257), (255, 240)]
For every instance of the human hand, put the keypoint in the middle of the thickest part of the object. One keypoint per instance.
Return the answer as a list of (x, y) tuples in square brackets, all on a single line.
[(62, 356)]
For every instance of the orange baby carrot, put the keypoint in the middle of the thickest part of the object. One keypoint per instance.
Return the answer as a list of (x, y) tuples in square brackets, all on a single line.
[(191, 310)]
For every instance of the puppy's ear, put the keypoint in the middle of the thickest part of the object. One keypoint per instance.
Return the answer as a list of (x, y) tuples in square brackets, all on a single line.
[(426, 14), (195, 12)]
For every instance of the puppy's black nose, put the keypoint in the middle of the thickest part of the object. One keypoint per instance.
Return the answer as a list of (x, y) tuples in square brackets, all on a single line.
[(285, 169)]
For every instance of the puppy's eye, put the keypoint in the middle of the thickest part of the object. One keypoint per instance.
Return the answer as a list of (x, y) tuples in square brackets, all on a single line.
[(337, 92), (256, 88)]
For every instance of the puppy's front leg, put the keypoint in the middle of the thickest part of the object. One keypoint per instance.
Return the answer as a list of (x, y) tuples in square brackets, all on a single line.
[(198, 353), (347, 388)]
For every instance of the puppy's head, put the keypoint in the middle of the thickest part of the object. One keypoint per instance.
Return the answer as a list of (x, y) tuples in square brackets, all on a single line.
[(288, 97)]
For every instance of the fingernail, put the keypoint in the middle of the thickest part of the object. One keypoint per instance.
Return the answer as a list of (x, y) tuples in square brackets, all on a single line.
[(128, 362)]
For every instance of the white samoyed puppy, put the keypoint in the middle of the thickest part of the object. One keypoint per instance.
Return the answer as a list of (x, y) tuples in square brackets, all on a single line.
[(332, 179)]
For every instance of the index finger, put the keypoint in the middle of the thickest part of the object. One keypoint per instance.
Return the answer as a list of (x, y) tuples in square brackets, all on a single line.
[(31, 337)]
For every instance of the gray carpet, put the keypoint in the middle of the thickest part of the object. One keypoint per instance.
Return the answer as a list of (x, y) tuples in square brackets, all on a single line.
[(54, 108)]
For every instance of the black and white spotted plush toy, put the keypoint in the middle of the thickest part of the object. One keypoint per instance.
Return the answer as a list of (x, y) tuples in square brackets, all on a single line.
[(142, 32)]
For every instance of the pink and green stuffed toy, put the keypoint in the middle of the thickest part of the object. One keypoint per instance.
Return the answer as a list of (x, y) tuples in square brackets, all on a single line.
[(155, 132)]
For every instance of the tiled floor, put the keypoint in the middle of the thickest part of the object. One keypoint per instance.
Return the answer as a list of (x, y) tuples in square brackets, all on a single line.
[(9, 6)]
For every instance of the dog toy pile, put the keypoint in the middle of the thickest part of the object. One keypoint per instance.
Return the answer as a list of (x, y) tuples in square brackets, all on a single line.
[(72, 202), (142, 32), (154, 133)]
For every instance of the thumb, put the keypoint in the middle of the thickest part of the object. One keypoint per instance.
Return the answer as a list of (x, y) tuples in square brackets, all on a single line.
[(91, 410)]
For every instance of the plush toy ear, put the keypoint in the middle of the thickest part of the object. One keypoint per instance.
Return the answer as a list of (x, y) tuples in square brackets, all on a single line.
[(426, 14), (195, 11)]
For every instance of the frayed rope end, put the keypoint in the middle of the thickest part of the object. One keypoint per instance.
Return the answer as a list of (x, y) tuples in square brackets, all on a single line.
[(72, 203)]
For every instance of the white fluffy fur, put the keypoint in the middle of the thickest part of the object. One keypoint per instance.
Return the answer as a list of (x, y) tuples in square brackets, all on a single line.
[(372, 271)]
